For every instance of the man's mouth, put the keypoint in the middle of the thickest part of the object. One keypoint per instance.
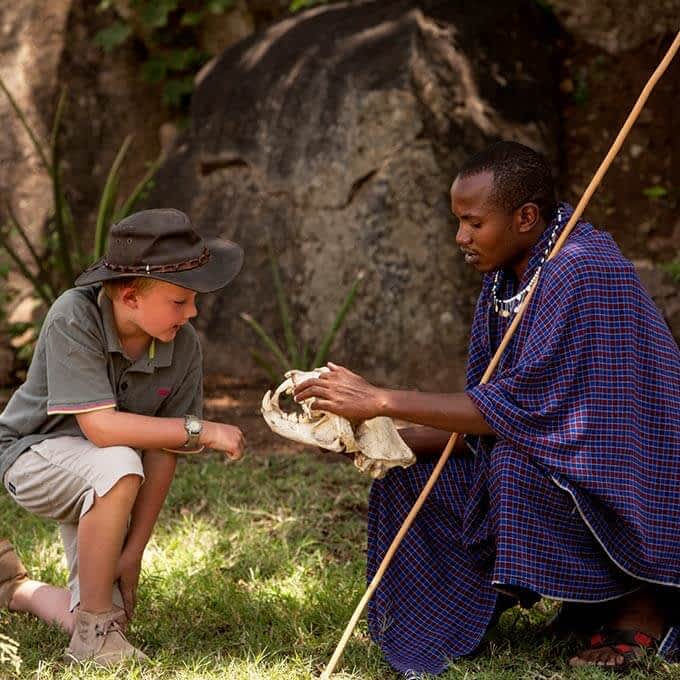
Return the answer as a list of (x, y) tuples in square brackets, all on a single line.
[(470, 257)]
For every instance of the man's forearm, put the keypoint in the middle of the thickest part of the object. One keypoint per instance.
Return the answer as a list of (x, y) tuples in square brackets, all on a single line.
[(159, 469), (448, 412), (428, 443)]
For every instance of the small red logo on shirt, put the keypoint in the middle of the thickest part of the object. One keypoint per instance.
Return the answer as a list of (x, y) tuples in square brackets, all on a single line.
[(163, 391)]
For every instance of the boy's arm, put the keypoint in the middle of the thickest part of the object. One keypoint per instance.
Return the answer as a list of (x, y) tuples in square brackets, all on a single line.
[(159, 469), (109, 427)]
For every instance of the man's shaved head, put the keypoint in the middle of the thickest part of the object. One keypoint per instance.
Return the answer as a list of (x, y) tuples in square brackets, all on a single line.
[(520, 175)]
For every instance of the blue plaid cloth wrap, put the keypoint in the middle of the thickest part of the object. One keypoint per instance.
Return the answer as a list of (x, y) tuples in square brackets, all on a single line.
[(576, 498)]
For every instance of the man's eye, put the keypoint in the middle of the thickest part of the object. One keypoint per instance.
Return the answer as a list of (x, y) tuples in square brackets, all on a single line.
[(475, 225), (179, 302)]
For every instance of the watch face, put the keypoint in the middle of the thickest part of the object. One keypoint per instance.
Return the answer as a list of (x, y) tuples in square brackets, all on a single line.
[(194, 427)]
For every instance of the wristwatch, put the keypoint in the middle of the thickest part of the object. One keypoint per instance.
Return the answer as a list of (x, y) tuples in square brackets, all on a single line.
[(193, 427)]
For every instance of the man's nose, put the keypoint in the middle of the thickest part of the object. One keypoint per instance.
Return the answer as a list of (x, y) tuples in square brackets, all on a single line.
[(463, 237)]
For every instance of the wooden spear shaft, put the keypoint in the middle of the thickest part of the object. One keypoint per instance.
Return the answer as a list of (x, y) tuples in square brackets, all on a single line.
[(578, 211)]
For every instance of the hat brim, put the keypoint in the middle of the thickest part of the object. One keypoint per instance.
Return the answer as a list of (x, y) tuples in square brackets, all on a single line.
[(226, 260)]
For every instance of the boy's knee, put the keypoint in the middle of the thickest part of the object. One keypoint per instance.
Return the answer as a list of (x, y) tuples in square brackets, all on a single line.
[(122, 492), (122, 468), (127, 484)]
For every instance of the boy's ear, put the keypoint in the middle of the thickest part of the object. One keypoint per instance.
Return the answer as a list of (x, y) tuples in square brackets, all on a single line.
[(129, 296), (527, 217)]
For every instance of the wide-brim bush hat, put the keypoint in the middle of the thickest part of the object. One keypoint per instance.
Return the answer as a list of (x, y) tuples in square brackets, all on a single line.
[(162, 244)]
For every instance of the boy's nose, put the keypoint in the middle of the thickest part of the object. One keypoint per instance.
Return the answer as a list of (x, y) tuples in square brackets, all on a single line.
[(192, 311)]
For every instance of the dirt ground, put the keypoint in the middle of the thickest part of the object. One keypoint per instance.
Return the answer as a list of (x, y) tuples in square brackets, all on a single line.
[(237, 402)]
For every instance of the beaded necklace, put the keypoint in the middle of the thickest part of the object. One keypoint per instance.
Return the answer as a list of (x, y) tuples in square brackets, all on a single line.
[(506, 307)]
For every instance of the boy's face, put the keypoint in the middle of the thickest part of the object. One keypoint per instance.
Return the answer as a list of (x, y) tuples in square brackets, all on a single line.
[(489, 237), (161, 310)]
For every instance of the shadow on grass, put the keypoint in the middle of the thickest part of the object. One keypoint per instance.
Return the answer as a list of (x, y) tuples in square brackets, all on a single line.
[(253, 572)]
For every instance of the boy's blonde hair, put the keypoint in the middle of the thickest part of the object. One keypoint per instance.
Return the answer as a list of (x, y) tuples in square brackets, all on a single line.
[(113, 287)]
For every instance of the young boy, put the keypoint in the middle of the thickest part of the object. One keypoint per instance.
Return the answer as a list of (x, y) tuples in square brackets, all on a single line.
[(571, 492), (113, 393)]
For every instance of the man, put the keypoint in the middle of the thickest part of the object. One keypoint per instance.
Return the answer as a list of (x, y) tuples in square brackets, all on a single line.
[(570, 490)]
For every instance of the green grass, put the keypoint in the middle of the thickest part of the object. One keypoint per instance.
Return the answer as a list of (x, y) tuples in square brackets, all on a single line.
[(253, 573)]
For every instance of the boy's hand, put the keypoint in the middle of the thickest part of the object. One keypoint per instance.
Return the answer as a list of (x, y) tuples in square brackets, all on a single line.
[(129, 568), (226, 438)]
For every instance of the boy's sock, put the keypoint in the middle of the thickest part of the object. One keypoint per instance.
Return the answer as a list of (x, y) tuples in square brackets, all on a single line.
[(99, 638), (12, 573)]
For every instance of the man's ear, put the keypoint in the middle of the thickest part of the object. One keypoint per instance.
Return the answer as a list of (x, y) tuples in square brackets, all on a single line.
[(527, 217)]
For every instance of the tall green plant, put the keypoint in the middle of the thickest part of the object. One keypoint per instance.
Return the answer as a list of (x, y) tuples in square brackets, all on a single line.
[(52, 265), (295, 353)]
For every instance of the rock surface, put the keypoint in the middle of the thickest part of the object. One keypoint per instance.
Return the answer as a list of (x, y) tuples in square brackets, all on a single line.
[(340, 152), (31, 43), (664, 291), (617, 25)]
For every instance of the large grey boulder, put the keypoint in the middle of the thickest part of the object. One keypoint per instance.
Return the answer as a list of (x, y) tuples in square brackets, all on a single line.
[(617, 25), (335, 135)]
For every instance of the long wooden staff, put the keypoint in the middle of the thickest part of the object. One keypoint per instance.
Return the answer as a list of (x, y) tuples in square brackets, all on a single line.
[(578, 211)]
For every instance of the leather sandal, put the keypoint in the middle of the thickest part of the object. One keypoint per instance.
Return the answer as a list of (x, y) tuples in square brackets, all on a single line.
[(630, 644)]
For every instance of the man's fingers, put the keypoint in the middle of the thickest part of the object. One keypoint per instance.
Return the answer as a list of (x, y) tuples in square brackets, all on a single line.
[(304, 386), (318, 390), (323, 405), (337, 369)]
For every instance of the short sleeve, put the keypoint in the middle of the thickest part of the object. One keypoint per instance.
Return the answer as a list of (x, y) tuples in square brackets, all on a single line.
[(76, 369), (188, 398)]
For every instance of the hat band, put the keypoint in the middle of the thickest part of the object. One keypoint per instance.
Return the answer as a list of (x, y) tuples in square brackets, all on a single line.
[(160, 268)]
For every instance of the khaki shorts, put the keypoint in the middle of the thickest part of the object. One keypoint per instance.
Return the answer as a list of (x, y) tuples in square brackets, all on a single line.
[(58, 479)]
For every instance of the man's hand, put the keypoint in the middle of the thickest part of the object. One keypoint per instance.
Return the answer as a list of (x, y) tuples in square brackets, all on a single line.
[(127, 574), (225, 438), (347, 394), (344, 393)]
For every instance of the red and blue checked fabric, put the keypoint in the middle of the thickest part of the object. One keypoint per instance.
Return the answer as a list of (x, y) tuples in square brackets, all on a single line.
[(576, 498)]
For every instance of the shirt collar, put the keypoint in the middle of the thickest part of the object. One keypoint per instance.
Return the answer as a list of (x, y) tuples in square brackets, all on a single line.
[(158, 354)]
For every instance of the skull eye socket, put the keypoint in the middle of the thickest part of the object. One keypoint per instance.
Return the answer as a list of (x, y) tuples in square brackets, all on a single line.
[(288, 405)]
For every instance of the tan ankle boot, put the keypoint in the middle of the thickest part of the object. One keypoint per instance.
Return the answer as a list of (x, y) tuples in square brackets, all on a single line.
[(99, 638), (12, 573)]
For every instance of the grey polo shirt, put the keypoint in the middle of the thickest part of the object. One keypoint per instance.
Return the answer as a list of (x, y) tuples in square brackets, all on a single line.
[(79, 366)]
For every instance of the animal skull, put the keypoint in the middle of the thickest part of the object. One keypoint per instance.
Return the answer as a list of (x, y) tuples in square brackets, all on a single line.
[(376, 444)]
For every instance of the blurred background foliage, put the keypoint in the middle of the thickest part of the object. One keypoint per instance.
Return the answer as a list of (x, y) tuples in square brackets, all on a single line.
[(168, 31)]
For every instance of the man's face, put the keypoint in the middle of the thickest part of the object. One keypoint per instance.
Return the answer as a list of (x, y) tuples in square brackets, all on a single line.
[(487, 235), (163, 309)]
